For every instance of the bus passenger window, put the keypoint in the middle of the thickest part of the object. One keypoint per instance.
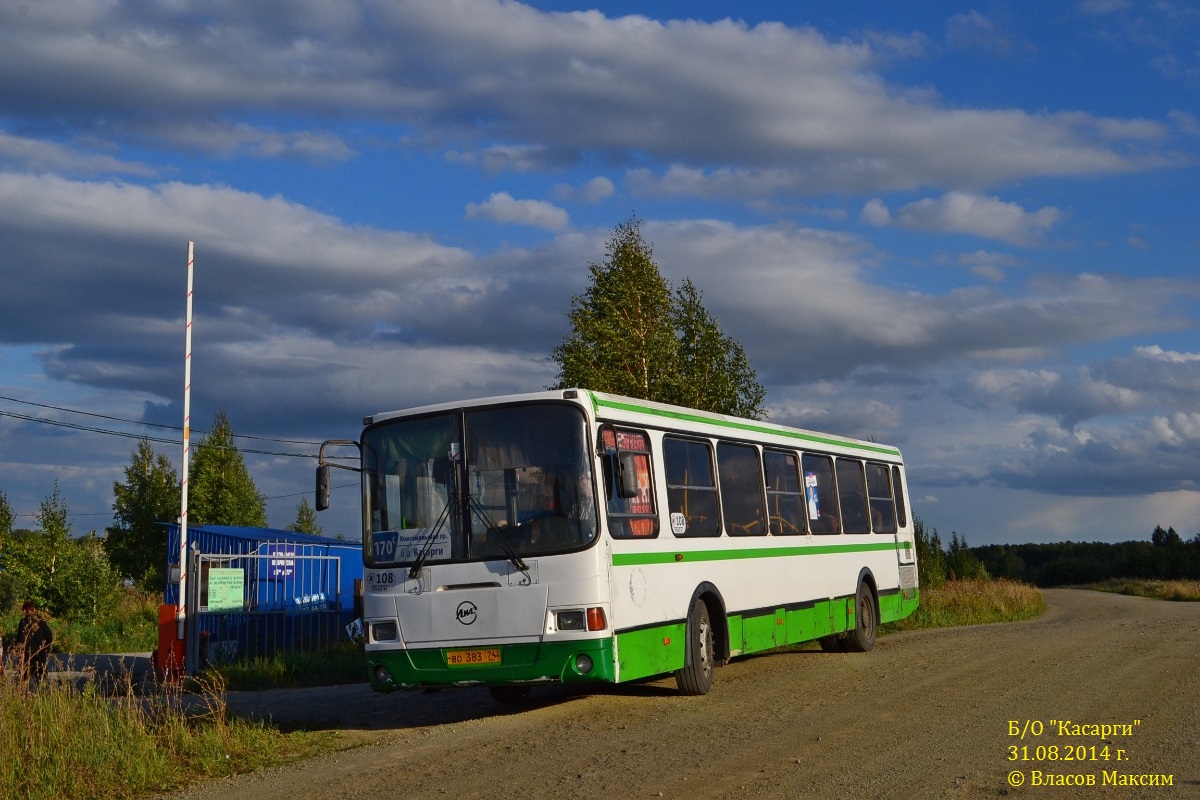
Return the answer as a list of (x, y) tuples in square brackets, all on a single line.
[(741, 489), (785, 501), (879, 496), (691, 489), (901, 512), (629, 517), (852, 495), (820, 494)]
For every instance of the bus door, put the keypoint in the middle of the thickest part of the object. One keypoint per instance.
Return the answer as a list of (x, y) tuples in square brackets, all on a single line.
[(906, 545), (889, 512), (905, 533)]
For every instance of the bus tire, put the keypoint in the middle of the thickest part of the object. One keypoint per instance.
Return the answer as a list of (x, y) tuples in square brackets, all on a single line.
[(861, 637), (510, 695), (833, 644), (696, 676)]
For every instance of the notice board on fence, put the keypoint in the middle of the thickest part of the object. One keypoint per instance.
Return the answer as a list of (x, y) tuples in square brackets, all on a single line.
[(226, 589)]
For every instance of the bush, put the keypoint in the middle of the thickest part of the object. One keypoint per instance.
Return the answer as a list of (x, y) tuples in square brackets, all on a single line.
[(65, 576)]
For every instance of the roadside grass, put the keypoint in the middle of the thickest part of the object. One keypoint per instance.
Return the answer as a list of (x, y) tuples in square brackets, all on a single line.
[(972, 603), (61, 742), (340, 664), (132, 627), (1187, 591)]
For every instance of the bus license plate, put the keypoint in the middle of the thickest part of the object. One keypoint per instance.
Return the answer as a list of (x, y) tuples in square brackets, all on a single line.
[(473, 658)]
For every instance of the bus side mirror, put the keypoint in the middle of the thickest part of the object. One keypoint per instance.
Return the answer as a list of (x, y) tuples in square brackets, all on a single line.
[(322, 487), (627, 483)]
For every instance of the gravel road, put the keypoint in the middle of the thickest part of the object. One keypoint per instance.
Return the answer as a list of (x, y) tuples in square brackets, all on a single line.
[(925, 715)]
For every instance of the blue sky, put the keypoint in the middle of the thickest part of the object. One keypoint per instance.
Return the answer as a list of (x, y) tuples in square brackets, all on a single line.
[(970, 231)]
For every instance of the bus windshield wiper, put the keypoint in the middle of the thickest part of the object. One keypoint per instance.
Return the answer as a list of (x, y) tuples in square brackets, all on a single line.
[(427, 545), (489, 525)]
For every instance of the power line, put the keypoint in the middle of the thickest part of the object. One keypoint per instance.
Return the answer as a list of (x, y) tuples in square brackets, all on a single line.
[(151, 425), (161, 440), (109, 513)]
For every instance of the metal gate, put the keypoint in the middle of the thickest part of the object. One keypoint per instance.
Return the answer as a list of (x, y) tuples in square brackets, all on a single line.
[(259, 605)]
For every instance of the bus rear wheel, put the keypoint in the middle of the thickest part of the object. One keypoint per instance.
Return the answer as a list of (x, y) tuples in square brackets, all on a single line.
[(833, 644), (861, 637), (696, 676)]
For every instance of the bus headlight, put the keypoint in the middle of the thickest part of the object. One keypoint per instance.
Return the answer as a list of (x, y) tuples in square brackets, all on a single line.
[(381, 674), (583, 664), (385, 631), (569, 620)]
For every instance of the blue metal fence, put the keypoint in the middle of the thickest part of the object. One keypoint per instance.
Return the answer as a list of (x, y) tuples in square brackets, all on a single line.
[(259, 592)]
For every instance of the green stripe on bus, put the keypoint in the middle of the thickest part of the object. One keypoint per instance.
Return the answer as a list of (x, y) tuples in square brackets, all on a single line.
[(671, 557), (695, 416), (660, 649)]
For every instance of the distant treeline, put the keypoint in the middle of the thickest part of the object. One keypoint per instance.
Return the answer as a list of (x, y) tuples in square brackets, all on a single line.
[(1166, 557)]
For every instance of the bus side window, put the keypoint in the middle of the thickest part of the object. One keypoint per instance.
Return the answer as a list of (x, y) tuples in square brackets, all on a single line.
[(785, 501), (901, 508), (741, 479), (629, 517), (879, 496), (691, 489), (852, 495), (820, 493)]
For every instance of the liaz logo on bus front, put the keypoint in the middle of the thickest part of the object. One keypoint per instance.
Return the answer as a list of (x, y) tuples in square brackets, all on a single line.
[(467, 613)]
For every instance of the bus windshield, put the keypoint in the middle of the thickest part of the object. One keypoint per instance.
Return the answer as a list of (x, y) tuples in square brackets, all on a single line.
[(486, 483)]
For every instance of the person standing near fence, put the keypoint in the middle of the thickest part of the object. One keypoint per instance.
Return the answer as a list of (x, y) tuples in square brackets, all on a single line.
[(34, 639)]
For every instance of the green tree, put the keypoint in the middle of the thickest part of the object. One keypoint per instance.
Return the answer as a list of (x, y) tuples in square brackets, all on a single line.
[(712, 371), (6, 518), (631, 335), (931, 559), (9, 591), (54, 521), (306, 520), (137, 542), (95, 585), (1167, 538), (961, 563), (67, 576), (622, 338), (220, 489)]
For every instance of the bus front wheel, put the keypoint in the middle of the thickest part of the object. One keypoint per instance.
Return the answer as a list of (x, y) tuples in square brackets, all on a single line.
[(696, 676)]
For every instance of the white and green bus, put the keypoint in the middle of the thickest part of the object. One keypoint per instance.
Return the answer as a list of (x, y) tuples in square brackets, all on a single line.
[(574, 536)]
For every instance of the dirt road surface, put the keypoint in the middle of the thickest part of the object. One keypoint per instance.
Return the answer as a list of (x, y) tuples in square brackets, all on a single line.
[(925, 715)]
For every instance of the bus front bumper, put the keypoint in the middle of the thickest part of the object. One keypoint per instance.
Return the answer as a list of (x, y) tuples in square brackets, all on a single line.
[(577, 661)]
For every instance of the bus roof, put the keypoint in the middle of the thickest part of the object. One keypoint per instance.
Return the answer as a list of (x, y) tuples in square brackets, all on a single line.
[(612, 406)]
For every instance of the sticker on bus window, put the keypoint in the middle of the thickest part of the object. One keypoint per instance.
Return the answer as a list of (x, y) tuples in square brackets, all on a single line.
[(678, 523), (810, 489)]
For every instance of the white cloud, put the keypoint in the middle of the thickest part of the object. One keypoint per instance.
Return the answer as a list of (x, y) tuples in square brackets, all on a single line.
[(513, 87), (1072, 398), (874, 212), (973, 31), (38, 155), (302, 319), (963, 212), (232, 139), (593, 191), (502, 207), (989, 265)]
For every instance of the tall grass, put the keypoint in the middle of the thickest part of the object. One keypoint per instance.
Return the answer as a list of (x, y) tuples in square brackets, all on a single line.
[(971, 603), (59, 742), (1188, 591), (340, 664)]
